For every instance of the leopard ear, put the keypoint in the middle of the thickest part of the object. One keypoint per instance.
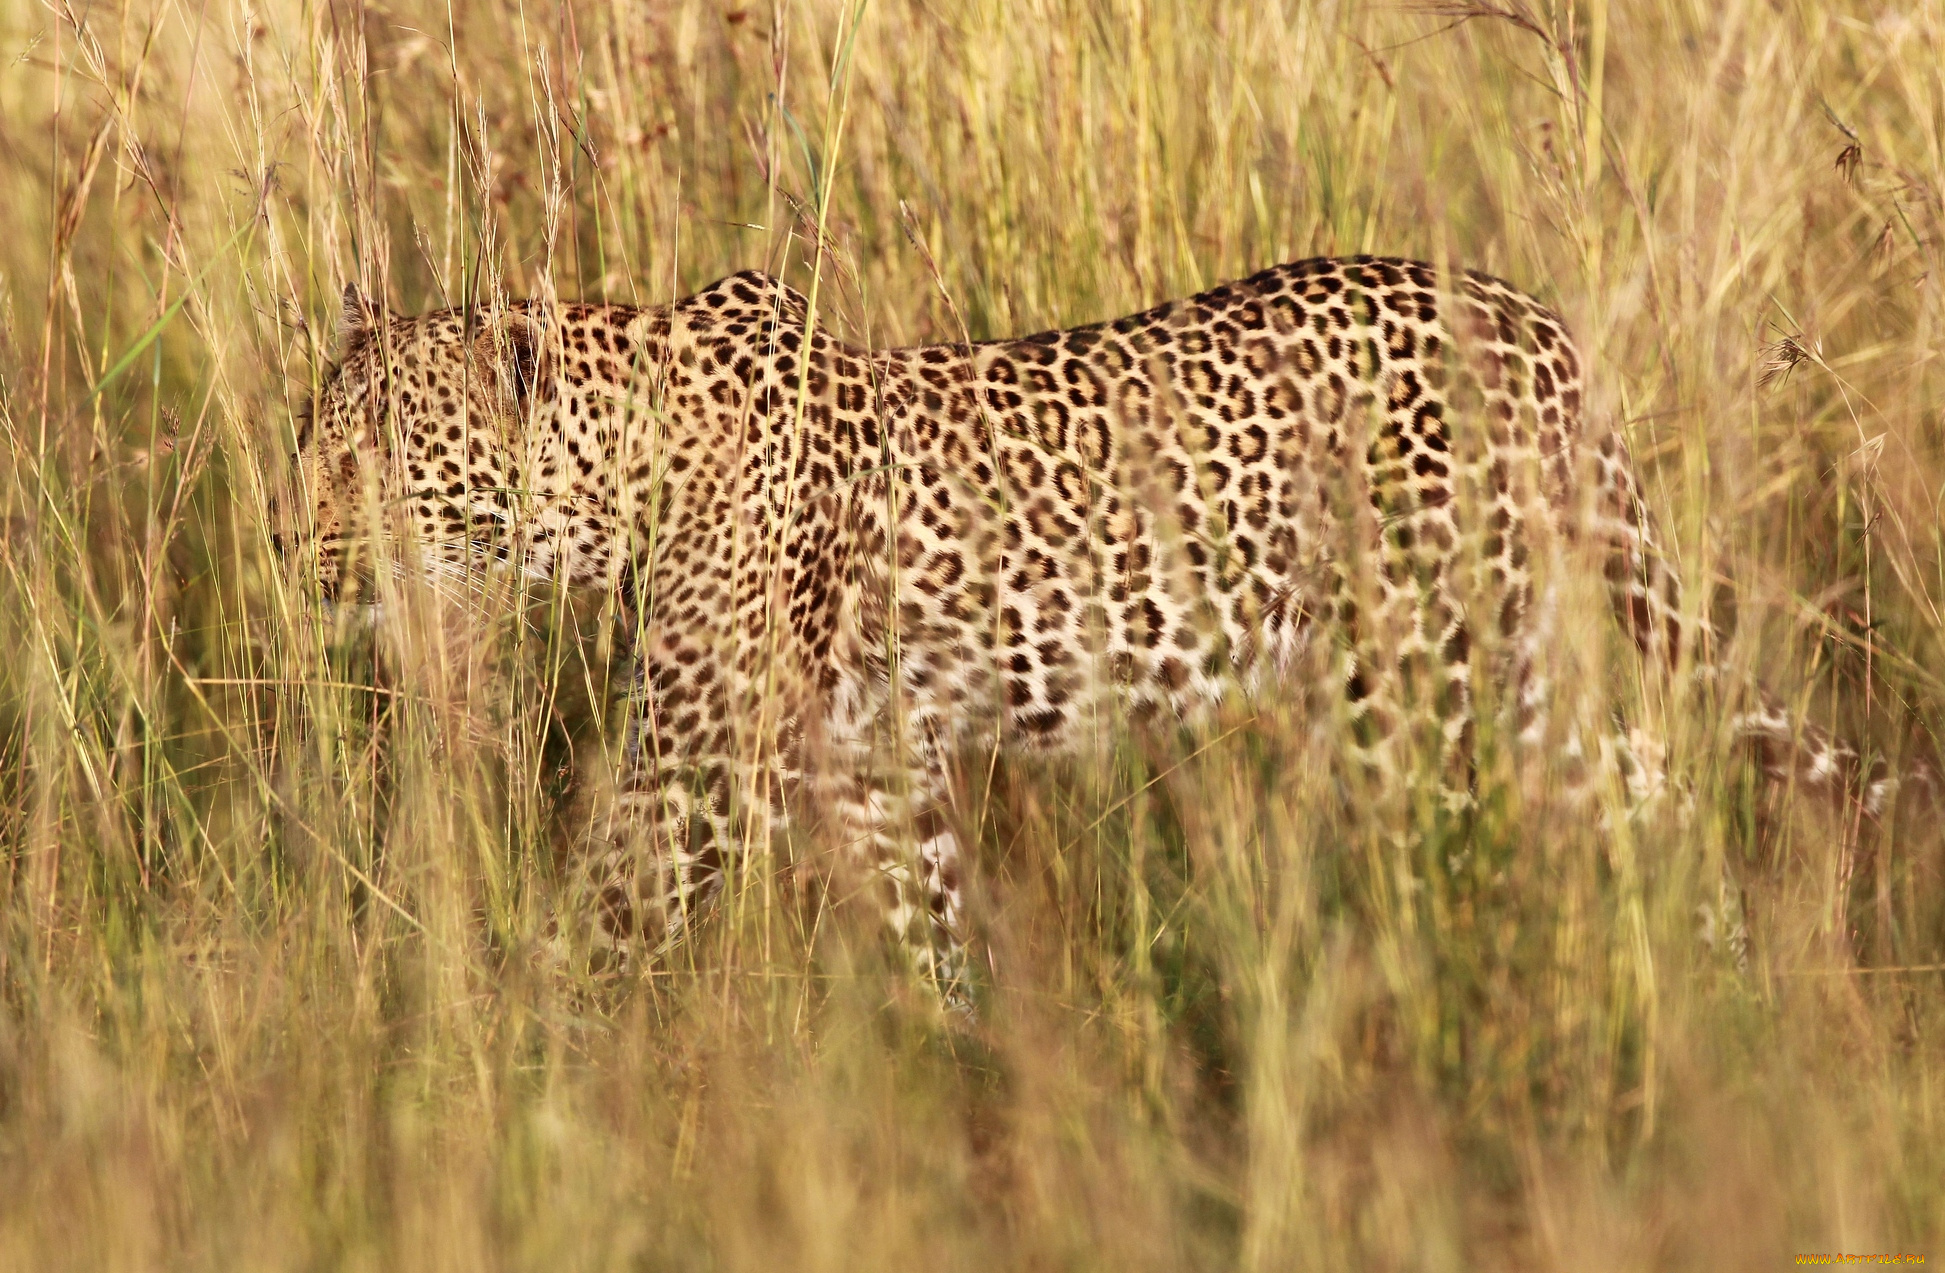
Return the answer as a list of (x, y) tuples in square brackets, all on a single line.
[(357, 315), (530, 360)]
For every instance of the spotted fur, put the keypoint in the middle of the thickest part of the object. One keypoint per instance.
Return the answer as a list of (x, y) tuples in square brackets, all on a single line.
[(844, 564)]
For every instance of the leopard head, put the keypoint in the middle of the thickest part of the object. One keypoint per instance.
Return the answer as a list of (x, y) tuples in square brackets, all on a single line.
[(411, 439)]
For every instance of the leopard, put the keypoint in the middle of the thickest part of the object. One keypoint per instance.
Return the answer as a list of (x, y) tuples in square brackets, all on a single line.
[(1361, 479)]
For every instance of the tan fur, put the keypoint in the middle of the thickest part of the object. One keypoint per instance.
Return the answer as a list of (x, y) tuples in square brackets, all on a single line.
[(844, 563)]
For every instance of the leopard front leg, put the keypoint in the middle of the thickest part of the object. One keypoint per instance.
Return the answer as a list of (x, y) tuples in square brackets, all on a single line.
[(657, 856), (904, 857), (659, 852)]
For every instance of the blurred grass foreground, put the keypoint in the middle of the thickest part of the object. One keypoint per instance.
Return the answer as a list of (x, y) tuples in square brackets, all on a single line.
[(270, 880)]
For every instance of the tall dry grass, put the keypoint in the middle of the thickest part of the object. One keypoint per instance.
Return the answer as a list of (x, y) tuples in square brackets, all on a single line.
[(270, 880)]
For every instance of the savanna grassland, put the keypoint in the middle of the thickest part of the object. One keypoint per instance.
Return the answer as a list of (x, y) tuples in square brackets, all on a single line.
[(271, 882)]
